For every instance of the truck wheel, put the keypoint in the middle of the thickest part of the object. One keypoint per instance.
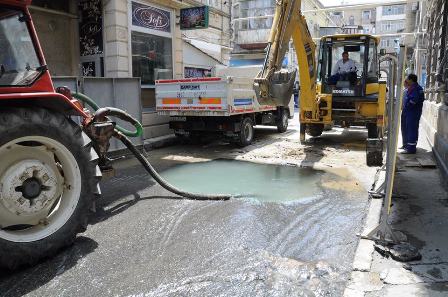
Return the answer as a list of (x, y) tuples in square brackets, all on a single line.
[(282, 122), (246, 134), (314, 130), (48, 182), (372, 130)]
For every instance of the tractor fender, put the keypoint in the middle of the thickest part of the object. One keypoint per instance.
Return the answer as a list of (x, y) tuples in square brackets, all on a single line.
[(49, 100)]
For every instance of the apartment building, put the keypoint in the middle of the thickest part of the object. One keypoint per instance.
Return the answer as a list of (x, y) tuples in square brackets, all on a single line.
[(353, 20), (390, 22), (251, 24)]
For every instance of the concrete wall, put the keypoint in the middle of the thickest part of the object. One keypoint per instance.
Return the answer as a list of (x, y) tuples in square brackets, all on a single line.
[(435, 124)]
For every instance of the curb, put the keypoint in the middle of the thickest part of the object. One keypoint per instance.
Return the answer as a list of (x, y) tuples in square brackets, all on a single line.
[(364, 253)]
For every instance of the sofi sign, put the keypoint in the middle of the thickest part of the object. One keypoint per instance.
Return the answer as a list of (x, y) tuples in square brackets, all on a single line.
[(150, 17)]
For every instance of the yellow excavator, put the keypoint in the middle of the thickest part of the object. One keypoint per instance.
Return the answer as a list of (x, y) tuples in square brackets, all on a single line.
[(328, 96)]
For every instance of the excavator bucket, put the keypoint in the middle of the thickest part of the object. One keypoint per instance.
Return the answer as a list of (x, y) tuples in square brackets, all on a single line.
[(277, 89)]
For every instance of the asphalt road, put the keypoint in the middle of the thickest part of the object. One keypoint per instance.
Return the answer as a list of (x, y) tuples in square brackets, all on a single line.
[(143, 241)]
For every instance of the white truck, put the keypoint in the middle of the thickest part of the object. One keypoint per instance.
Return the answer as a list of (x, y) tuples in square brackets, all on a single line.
[(224, 104)]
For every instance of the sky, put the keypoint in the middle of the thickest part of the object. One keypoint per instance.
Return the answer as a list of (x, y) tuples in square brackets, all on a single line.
[(338, 2)]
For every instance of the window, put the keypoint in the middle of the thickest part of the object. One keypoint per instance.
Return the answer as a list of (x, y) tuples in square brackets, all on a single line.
[(393, 9), (259, 12), (392, 26), (372, 66), (213, 3), (351, 21), (337, 17), (20, 64), (357, 56), (366, 15), (389, 42), (152, 57)]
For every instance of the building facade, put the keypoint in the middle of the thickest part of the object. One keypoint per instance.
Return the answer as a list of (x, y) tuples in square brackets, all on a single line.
[(392, 23), (394, 20), (434, 53), (131, 38), (251, 24)]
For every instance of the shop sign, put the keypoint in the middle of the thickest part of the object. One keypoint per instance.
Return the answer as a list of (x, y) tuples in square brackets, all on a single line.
[(194, 18), (150, 17)]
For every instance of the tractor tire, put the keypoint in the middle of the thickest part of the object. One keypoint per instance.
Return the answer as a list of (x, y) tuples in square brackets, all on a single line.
[(246, 134), (372, 130), (314, 130), (49, 180), (282, 121)]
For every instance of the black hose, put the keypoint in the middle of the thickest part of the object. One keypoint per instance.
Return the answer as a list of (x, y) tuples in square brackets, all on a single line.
[(163, 182)]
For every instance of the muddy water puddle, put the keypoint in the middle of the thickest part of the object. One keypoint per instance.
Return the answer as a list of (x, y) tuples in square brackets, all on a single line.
[(297, 239), (293, 235), (262, 182)]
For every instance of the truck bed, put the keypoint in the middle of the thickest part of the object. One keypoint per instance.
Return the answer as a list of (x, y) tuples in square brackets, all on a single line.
[(212, 96)]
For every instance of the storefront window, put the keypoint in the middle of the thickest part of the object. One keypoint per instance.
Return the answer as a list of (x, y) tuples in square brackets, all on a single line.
[(152, 57)]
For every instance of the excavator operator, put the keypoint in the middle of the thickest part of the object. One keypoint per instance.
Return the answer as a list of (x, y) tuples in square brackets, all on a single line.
[(345, 69)]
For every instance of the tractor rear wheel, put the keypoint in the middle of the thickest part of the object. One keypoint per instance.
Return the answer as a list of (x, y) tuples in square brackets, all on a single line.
[(48, 182)]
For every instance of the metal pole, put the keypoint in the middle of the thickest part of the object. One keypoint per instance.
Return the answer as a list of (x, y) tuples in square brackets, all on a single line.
[(383, 233)]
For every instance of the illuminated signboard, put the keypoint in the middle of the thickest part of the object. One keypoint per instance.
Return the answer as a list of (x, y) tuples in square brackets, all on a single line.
[(194, 18)]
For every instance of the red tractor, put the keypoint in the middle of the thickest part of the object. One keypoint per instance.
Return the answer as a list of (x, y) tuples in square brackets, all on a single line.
[(51, 149), (49, 170)]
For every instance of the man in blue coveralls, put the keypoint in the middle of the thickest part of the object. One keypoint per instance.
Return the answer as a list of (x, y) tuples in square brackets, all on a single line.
[(411, 113)]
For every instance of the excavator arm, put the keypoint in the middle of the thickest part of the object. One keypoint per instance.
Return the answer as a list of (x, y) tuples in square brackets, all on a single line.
[(274, 85)]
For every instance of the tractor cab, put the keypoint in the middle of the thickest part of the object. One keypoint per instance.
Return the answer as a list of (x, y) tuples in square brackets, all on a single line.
[(347, 63), (19, 62)]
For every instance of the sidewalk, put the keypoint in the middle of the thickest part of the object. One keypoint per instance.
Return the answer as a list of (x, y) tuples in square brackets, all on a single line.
[(420, 211)]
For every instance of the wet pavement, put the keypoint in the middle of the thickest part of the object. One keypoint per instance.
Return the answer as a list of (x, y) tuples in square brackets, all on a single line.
[(145, 242), (419, 215)]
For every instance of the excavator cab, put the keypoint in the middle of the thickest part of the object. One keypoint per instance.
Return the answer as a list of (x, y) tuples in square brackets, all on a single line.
[(347, 63)]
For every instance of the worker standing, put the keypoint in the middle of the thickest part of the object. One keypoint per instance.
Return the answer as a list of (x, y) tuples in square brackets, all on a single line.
[(412, 111), (403, 117)]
